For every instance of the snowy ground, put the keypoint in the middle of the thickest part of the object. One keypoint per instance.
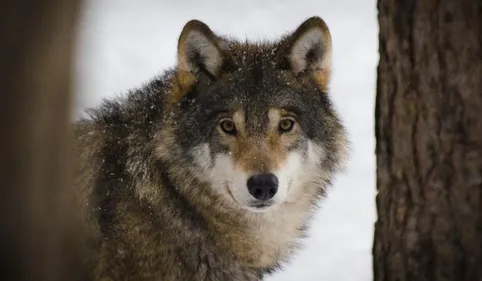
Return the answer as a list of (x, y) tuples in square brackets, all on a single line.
[(126, 42)]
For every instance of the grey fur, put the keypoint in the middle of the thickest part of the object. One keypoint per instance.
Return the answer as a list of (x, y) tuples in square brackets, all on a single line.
[(148, 215)]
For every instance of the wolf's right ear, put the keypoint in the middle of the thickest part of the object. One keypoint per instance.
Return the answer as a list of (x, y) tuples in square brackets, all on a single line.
[(200, 50)]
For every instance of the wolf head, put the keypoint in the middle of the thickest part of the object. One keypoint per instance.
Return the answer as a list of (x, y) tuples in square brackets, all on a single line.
[(254, 120)]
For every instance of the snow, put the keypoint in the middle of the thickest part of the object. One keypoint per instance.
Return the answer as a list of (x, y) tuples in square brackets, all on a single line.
[(124, 43)]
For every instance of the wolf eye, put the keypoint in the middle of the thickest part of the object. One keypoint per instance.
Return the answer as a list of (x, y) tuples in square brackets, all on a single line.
[(286, 125), (228, 126)]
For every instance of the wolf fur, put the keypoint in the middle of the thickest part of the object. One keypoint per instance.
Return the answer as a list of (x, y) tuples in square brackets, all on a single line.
[(163, 181)]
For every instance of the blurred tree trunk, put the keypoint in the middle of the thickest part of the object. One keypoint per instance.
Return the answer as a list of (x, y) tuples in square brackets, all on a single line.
[(429, 141), (37, 219)]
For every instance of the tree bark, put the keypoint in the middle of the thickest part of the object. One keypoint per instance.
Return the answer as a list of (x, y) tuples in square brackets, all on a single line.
[(429, 141), (37, 220)]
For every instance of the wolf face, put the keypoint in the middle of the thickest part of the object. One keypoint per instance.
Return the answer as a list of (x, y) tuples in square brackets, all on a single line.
[(253, 120)]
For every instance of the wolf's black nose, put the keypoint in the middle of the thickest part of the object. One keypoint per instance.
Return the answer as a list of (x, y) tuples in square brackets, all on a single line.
[(263, 186)]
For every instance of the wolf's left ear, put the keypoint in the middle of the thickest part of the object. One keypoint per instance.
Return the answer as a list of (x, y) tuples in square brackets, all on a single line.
[(307, 51), (200, 50)]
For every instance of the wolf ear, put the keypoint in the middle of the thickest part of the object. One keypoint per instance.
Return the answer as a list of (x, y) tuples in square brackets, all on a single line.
[(199, 50), (308, 51)]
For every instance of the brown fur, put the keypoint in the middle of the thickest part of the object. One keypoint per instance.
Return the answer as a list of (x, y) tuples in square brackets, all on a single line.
[(151, 213), (180, 83), (264, 152)]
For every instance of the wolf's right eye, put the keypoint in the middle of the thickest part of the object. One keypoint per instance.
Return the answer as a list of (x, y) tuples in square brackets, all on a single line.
[(228, 126)]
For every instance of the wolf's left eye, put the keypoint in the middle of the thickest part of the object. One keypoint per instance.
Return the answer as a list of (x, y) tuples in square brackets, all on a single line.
[(286, 125)]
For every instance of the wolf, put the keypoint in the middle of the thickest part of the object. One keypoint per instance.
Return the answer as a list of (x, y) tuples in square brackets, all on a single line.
[(213, 169)]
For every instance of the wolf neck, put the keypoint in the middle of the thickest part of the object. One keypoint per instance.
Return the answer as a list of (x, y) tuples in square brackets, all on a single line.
[(257, 240)]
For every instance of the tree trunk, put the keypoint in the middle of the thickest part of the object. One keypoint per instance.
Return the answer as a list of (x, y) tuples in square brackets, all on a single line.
[(37, 219), (429, 141)]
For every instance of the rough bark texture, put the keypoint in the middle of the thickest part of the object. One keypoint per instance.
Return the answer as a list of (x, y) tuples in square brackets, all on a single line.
[(429, 141), (36, 225)]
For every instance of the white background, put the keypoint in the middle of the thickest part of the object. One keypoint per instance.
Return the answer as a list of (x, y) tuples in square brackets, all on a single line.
[(124, 43)]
